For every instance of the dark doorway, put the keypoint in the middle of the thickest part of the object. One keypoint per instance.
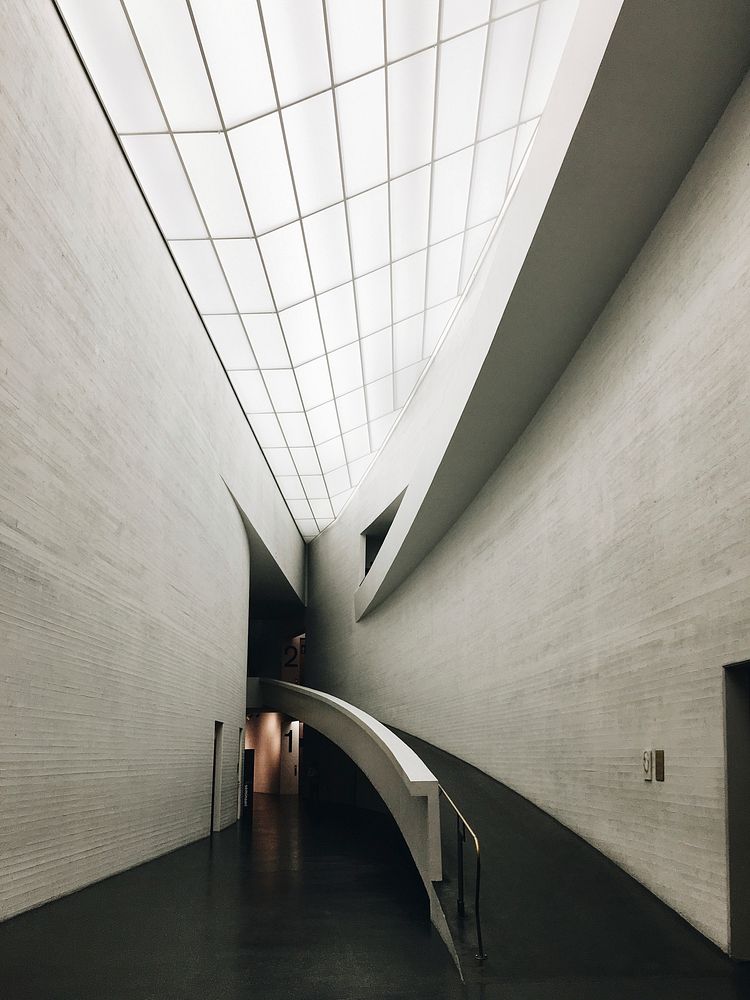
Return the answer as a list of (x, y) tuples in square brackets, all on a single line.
[(737, 736), (216, 777)]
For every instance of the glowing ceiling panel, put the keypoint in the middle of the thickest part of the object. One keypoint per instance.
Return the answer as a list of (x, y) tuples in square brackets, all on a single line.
[(327, 174)]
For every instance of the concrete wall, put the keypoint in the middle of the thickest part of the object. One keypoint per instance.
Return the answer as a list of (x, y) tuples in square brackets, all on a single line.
[(124, 564), (581, 609)]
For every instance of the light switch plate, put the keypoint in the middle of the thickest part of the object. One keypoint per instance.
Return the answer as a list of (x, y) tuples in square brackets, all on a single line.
[(648, 765)]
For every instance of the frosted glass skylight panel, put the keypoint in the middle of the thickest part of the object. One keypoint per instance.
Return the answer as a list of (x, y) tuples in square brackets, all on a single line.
[(282, 388), (268, 345), (302, 332), (300, 509), (410, 26), (346, 369), (338, 316), (377, 355), (104, 38), (313, 149), (163, 180), (507, 61), (297, 40), (405, 380), (461, 15), (410, 209), (361, 112), (379, 397), (306, 460), (461, 62), (356, 33), (314, 383), (502, 7), (209, 166), (328, 247), (262, 165), (337, 481), (331, 455), (197, 261), (315, 487), (251, 390), (408, 285), (291, 487), (374, 300), (296, 430), (328, 174), (351, 409), (170, 48), (368, 226), (244, 270), (268, 430), (324, 422), (411, 98), (322, 509), (474, 242), (444, 270), (309, 529), (236, 55), (407, 342), (356, 444), (491, 176), (286, 262), (230, 340), (451, 178), (552, 30), (281, 461)]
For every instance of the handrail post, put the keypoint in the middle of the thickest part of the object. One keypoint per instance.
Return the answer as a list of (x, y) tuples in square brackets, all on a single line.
[(460, 838), (461, 827), (480, 955)]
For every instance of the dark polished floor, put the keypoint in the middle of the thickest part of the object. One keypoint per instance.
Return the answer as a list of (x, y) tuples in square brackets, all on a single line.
[(323, 903), (317, 904), (559, 919)]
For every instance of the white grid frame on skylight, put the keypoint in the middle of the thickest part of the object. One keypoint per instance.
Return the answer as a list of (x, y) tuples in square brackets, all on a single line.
[(327, 174)]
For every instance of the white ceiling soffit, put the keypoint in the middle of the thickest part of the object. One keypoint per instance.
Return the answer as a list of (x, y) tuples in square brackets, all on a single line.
[(327, 175)]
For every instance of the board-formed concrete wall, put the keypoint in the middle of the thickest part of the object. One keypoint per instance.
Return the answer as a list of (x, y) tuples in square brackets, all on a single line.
[(124, 563), (582, 607)]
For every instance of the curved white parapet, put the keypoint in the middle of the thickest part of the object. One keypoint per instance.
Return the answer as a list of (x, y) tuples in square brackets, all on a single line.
[(404, 782)]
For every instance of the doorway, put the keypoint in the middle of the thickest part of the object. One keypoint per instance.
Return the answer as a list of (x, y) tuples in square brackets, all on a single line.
[(216, 778), (737, 745)]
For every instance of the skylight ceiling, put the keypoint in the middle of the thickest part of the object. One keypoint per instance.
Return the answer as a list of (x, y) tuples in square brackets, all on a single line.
[(327, 175)]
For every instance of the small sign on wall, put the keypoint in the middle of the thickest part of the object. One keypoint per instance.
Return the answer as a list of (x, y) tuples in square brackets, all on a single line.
[(293, 660)]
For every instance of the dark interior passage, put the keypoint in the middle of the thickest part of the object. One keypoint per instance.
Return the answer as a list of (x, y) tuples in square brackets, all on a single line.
[(559, 919), (319, 902)]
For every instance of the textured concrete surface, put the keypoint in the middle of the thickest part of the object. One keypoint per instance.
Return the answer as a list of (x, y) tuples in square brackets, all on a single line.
[(581, 609), (123, 560)]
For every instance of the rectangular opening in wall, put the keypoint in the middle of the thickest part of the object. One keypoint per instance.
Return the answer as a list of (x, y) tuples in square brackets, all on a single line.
[(374, 534), (216, 778), (737, 746)]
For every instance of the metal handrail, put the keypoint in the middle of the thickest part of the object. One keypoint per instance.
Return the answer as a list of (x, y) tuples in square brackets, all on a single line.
[(461, 827)]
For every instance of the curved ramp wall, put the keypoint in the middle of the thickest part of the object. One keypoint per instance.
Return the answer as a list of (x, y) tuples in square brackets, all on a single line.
[(404, 782)]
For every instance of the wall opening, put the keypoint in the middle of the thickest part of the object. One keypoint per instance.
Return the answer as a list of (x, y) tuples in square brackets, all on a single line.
[(374, 534), (737, 748), (216, 778)]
